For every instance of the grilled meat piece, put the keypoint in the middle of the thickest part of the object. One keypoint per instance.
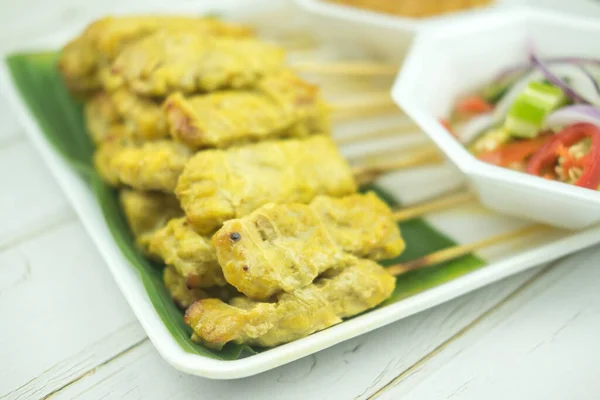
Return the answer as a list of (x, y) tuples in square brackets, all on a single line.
[(183, 296), (340, 293), (189, 61), (147, 212), (84, 57), (281, 105), (142, 116), (102, 120), (146, 166), (283, 247), (218, 185), (192, 255)]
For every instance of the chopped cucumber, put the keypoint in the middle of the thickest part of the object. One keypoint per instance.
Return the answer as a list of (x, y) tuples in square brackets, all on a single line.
[(527, 114)]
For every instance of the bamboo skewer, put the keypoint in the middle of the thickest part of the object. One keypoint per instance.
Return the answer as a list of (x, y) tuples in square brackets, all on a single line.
[(369, 100), (346, 68), (371, 104), (368, 173), (461, 250), (378, 134), (361, 111), (453, 200)]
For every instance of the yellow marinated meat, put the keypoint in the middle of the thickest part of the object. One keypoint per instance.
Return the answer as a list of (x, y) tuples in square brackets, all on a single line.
[(79, 61), (118, 32), (146, 166), (281, 105), (339, 294), (102, 120), (142, 116), (82, 59), (192, 255), (146, 212), (183, 296), (218, 185), (283, 247), (231, 117), (189, 61)]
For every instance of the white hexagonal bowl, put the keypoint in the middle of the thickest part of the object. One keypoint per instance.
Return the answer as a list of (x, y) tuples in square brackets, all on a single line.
[(450, 60)]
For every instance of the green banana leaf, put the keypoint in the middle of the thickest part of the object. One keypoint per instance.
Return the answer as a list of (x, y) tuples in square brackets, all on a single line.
[(60, 118)]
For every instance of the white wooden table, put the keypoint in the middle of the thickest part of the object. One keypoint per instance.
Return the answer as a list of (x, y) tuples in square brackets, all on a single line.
[(67, 332)]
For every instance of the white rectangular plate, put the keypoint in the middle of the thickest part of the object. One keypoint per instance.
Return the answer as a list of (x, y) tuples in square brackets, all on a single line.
[(464, 224)]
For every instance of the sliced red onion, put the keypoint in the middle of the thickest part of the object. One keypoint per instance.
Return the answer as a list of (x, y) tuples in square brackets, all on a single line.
[(594, 81), (468, 131), (555, 80), (524, 67), (573, 114), (574, 60), (580, 82)]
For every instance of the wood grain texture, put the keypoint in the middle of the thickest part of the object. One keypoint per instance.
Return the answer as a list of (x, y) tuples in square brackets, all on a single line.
[(541, 344), (30, 201), (62, 313), (353, 369)]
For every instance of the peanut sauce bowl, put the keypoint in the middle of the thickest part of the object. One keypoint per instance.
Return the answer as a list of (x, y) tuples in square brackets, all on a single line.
[(453, 59)]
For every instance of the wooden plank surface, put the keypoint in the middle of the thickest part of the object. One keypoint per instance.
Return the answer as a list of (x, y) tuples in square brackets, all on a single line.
[(540, 344), (62, 313), (353, 369), (30, 201)]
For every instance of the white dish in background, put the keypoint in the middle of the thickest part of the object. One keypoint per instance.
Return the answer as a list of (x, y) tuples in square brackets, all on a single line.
[(392, 47), (464, 224), (453, 59), (355, 25)]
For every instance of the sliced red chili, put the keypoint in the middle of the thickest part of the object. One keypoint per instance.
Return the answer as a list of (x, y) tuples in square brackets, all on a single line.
[(515, 152), (473, 105), (547, 156)]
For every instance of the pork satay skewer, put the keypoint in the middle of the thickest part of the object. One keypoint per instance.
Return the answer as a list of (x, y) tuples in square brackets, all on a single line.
[(219, 185), (187, 61), (184, 61), (337, 294), (281, 104), (282, 247), (291, 316), (195, 258), (185, 293), (157, 165), (84, 57), (452, 253)]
